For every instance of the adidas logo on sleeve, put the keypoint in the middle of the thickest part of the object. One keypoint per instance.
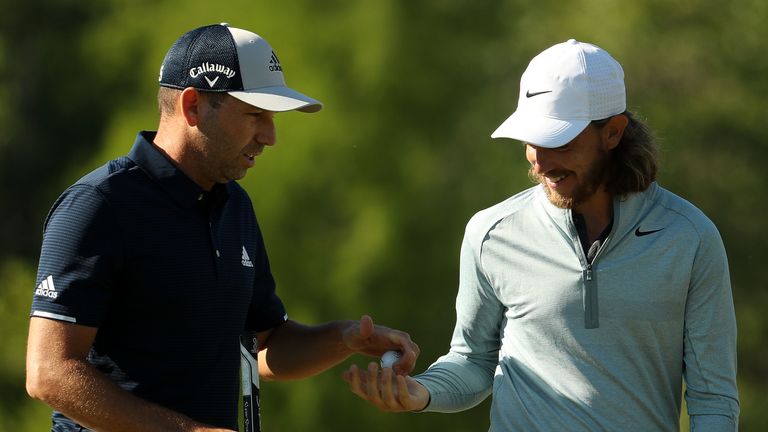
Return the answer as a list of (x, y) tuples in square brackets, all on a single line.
[(46, 288)]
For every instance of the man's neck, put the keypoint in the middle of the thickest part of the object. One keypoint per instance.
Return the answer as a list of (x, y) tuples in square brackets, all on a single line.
[(175, 145), (597, 213)]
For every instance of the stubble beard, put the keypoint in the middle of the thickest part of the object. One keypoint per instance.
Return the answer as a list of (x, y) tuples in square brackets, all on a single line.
[(590, 182), (219, 164)]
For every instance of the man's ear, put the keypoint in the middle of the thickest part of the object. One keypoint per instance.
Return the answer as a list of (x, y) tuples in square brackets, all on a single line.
[(189, 102), (614, 130)]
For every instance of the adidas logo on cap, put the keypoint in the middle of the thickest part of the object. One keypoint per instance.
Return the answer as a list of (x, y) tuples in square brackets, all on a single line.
[(227, 59), (274, 63)]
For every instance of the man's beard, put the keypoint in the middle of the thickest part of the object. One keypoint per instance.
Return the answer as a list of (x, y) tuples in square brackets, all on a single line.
[(589, 183)]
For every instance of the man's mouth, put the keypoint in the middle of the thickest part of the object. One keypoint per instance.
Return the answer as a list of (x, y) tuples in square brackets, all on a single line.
[(253, 153), (554, 180)]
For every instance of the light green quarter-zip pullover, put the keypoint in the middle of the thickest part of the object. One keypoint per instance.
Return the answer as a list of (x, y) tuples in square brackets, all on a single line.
[(564, 345)]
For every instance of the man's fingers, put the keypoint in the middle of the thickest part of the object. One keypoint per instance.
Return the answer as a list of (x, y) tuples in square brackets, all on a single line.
[(384, 389), (405, 398), (407, 362), (353, 377), (373, 384), (387, 395), (366, 326)]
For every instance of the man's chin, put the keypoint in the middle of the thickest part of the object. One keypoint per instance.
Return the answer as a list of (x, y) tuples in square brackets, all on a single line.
[(558, 200), (234, 176)]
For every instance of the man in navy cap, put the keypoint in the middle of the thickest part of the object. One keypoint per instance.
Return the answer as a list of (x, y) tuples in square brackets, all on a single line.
[(153, 265)]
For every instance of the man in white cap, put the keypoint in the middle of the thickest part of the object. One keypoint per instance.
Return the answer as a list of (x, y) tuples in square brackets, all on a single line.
[(586, 301), (153, 265)]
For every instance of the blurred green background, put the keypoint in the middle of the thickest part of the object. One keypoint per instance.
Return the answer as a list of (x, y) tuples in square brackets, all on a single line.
[(363, 205)]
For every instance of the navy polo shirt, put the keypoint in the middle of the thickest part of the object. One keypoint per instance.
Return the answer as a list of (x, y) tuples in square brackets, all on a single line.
[(169, 274)]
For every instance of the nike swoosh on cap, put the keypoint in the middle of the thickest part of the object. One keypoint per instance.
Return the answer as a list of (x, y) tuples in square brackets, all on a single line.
[(528, 94)]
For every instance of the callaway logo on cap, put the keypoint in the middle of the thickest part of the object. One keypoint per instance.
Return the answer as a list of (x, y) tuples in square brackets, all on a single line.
[(563, 89), (220, 58)]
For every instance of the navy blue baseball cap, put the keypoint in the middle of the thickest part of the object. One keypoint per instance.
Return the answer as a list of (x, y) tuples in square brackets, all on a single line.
[(220, 58)]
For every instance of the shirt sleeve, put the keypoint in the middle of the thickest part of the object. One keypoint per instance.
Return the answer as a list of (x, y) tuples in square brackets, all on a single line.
[(463, 378), (710, 340), (267, 310), (79, 258)]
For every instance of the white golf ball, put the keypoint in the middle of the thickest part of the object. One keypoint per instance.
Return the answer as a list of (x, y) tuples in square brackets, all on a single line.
[(389, 358)]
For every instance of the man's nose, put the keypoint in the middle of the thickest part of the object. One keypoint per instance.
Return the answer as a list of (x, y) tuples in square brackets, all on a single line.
[(267, 133)]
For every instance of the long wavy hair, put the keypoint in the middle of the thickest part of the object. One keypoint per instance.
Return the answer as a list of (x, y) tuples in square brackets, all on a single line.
[(634, 162)]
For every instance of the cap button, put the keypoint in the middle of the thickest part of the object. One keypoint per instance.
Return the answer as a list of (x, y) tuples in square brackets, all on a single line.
[(225, 24), (572, 41)]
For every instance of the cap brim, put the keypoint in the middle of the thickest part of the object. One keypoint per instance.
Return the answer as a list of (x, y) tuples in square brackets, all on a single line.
[(539, 130), (278, 99)]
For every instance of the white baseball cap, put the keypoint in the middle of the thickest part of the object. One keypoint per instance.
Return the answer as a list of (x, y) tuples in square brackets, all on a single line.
[(563, 89), (219, 58)]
